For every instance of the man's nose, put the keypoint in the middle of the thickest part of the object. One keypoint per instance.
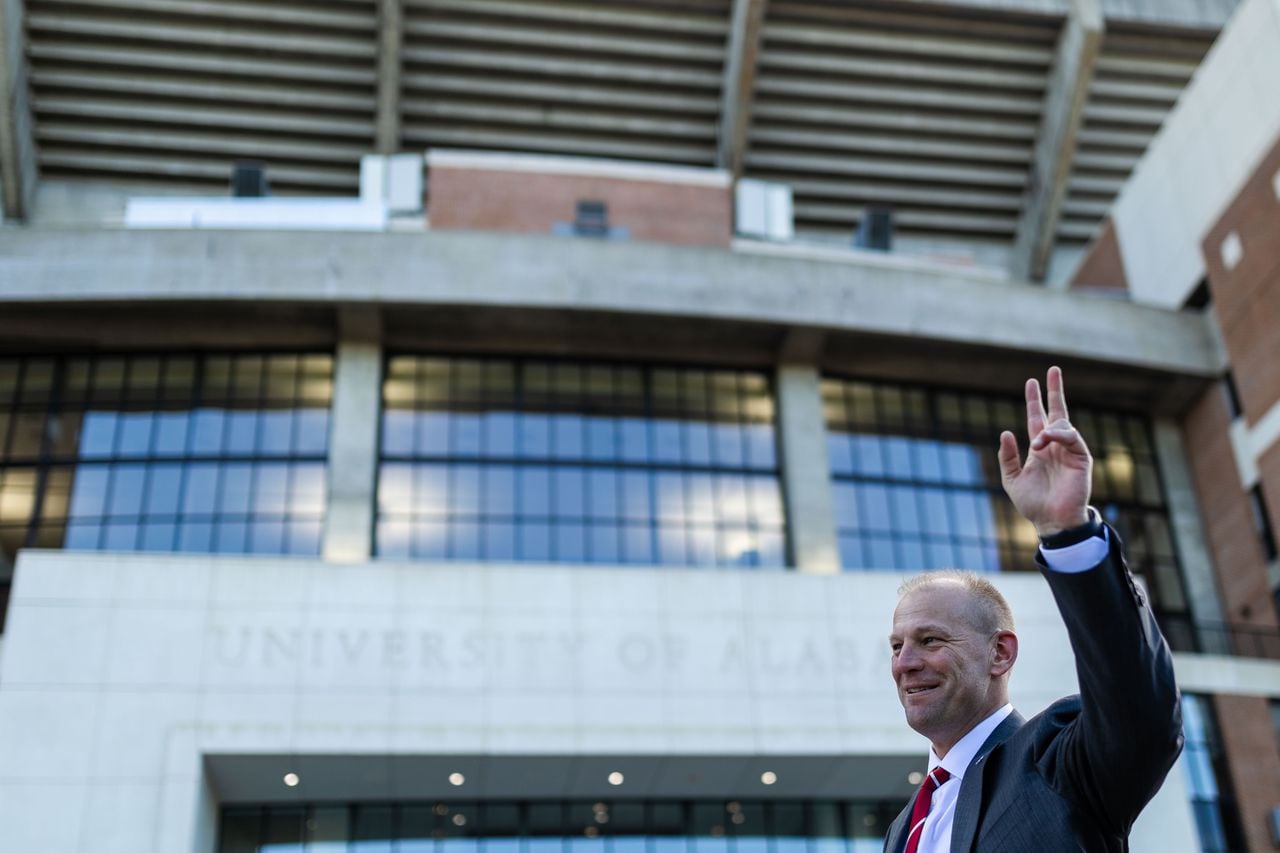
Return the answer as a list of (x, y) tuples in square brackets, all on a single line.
[(906, 660)]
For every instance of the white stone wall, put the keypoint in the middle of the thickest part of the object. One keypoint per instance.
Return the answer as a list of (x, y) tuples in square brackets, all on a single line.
[(121, 673), (1225, 121)]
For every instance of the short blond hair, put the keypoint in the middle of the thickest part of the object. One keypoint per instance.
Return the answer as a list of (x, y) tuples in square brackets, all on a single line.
[(991, 613)]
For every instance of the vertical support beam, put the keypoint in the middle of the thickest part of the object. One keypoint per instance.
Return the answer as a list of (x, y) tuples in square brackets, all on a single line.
[(353, 438), (17, 133), (1188, 532), (1069, 79), (806, 473), (742, 54), (390, 39)]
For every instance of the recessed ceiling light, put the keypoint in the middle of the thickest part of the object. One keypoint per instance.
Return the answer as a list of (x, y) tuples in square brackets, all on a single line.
[(457, 779), (459, 820), (768, 777), (616, 778), (915, 777), (291, 779)]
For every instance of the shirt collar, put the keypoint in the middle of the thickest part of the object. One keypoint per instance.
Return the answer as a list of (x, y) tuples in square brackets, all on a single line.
[(959, 756)]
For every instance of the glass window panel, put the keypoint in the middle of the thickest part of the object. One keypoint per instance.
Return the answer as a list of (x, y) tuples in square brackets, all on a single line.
[(499, 541), (307, 488), (874, 501), (207, 428), (734, 506), (535, 491), (303, 537), (906, 514), (171, 433), (127, 485), (120, 536), (271, 489), (700, 498), (393, 538), (311, 432), (667, 446), (766, 501), (535, 541), (464, 490), (240, 831), (636, 497), (637, 543), (602, 485), (195, 537), (395, 488), (697, 442), (398, 432), (97, 435), (500, 434), (729, 445), (898, 457), (57, 495), (535, 436), (464, 540), (134, 433), (602, 438), (430, 539), (17, 495), (83, 535), (275, 432), (164, 489), (851, 551), (604, 543), (468, 432), (911, 555), (670, 496), (569, 489), (570, 542), (671, 545), (430, 490), (234, 487), (928, 460), (567, 437), (241, 432), (701, 545), (634, 437), (231, 537), (868, 455), (499, 489), (840, 454)]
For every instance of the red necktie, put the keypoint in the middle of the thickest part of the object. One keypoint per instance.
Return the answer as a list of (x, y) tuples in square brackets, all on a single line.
[(924, 799)]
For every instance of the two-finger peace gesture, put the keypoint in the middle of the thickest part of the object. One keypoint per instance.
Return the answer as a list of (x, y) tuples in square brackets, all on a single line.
[(1051, 489)]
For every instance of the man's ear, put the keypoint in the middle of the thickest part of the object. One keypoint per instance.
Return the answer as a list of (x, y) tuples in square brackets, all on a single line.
[(1004, 652)]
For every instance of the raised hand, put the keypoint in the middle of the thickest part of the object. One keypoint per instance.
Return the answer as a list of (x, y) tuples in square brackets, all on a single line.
[(1051, 489)]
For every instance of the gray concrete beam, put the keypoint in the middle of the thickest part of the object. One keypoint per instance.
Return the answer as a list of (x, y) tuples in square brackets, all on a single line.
[(742, 54), (1064, 101), (806, 471), (390, 44), (841, 292), (18, 164), (353, 438)]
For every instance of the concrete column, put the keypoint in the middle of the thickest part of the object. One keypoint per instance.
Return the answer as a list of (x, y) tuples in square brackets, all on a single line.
[(806, 473), (1064, 100), (18, 162), (741, 56), (390, 40), (353, 445), (1188, 532)]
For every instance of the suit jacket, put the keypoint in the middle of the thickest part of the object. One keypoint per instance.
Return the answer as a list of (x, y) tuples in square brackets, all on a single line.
[(1075, 777)]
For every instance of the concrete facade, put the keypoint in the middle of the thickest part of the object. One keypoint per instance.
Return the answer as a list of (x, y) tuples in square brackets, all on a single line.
[(291, 663)]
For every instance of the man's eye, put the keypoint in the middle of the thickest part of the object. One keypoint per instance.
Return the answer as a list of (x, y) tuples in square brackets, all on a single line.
[(928, 641)]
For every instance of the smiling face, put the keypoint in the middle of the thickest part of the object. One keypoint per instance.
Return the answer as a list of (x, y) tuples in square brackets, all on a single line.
[(950, 661)]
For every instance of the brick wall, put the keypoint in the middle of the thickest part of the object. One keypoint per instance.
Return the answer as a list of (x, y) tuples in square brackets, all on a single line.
[(1249, 741), (1103, 265), (1228, 521), (530, 202), (1246, 295)]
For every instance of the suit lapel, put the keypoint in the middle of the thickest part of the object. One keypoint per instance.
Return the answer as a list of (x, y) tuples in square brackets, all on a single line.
[(895, 840), (969, 805)]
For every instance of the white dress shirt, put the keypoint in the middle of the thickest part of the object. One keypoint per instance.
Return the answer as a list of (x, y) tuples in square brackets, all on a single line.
[(936, 834)]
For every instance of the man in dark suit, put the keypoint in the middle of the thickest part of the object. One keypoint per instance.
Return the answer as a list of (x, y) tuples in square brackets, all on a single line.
[(1074, 777)]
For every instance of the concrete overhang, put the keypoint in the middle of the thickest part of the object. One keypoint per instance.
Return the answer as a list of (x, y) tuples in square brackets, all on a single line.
[(866, 307)]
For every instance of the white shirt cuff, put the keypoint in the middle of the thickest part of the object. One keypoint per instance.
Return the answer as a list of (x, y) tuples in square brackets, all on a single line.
[(1079, 557)]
